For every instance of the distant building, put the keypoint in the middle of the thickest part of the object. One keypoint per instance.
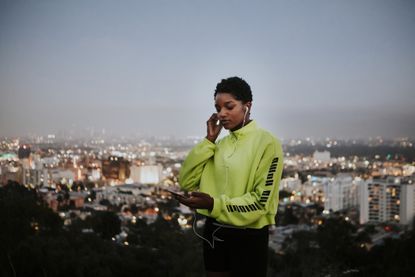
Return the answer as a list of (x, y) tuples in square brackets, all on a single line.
[(323, 156), (62, 175), (8, 157), (35, 175), (23, 152), (313, 189), (77, 199), (24, 156), (9, 168), (407, 211), (50, 162), (408, 170), (387, 199), (116, 168), (290, 184), (146, 174), (11, 172), (340, 193), (124, 194), (94, 174)]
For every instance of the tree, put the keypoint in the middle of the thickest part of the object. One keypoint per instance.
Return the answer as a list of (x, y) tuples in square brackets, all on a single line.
[(287, 217), (165, 249), (284, 194), (22, 214), (106, 224)]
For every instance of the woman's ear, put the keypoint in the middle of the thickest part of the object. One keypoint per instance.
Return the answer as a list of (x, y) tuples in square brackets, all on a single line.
[(248, 105)]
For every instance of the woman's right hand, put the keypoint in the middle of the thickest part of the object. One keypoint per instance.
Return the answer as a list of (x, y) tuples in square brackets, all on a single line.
[(213, 129)]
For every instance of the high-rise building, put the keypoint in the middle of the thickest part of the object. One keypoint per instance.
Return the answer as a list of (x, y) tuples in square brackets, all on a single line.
[(340, 193), (387, 199), (23, 152), (36, 171), (407, 211), (313, 189), (25, 160)]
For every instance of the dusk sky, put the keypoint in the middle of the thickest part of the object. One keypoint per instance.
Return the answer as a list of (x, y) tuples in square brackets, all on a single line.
[(318, 68)]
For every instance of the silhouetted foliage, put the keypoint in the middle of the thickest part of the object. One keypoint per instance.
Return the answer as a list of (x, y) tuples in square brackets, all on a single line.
[(284, 194), (33, 243), (46, 249), (23, 214), (287, 217), (335, 249), (106, 224)]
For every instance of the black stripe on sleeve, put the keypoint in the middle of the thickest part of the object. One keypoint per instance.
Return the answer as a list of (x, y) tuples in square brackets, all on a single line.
[(269, 182), (272, 168)]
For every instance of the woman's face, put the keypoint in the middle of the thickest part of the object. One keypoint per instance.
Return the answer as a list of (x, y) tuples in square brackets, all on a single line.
[(230, 111)]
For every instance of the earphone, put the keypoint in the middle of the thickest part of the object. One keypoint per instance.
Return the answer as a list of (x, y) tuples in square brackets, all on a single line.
[(246, 112)]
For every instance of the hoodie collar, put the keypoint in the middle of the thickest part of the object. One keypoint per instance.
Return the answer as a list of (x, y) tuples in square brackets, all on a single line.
[(244, 130)]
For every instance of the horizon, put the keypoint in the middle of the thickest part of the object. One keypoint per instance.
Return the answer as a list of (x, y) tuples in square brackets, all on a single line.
[(60, 137)]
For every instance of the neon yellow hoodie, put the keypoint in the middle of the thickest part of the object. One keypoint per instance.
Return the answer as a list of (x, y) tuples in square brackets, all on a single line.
[(241, 172)]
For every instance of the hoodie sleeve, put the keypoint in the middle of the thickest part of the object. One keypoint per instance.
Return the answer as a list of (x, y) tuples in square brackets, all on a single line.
[(263, 199), (192, 168)]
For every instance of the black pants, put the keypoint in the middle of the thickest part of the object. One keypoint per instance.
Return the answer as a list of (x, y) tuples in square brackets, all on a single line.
[(243, 252)]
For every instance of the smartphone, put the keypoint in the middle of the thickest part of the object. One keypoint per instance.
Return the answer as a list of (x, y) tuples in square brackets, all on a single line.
[(178, 193)]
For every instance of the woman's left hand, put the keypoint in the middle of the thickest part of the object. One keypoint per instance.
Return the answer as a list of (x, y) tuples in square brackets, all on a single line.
[(197, 200)]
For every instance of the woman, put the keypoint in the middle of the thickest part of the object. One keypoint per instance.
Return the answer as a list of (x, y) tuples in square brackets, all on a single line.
[(234, 183)]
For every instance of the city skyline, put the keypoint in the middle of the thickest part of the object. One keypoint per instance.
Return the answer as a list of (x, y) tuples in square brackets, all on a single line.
[(317, 69)]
